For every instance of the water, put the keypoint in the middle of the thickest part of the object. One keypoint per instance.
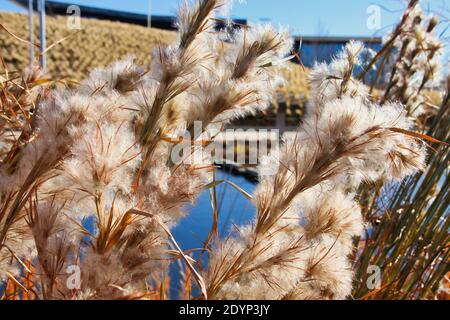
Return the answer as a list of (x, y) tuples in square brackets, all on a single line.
[(233, 209)]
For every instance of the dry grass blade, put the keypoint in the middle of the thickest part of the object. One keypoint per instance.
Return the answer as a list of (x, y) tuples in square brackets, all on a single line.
[(18, 38), (242, 191), (419, 136), (57, 42)]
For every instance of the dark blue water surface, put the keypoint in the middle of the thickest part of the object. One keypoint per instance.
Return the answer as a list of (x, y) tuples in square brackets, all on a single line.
[(233, 209)]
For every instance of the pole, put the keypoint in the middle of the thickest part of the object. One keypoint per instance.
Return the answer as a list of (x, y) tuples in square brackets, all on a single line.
[(41, 9), (149, 13), (30, 30)]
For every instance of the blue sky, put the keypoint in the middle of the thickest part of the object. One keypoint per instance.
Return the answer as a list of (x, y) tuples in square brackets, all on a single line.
[(303, 17)]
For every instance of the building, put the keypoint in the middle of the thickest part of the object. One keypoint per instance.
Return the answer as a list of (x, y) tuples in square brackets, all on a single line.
[(322, 49)]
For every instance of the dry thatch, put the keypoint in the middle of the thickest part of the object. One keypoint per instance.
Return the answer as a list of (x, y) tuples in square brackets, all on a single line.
[(98, 44)]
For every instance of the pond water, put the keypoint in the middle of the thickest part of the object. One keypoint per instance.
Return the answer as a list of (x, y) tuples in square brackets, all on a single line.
[(233, 209)]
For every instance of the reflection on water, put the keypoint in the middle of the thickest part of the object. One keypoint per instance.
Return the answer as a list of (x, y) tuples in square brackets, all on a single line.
[(233, 209)]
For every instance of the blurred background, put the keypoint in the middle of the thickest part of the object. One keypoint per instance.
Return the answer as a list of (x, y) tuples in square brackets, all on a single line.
[(95, 33)]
